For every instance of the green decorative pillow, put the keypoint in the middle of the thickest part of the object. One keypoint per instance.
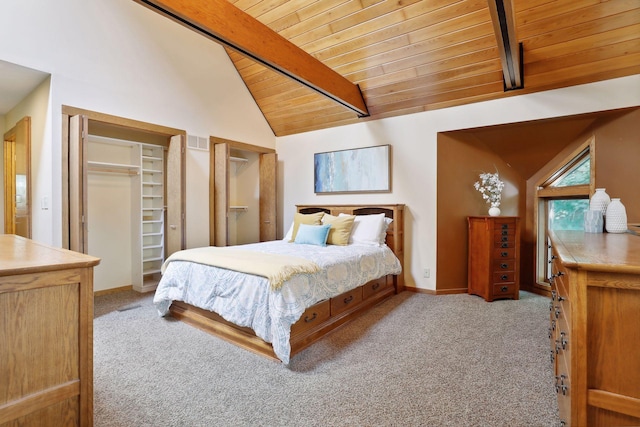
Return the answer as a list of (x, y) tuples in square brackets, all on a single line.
[(340, 228), (309, 219)]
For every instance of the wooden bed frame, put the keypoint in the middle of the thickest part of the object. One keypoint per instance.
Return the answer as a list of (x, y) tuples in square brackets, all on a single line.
[(322, 318)]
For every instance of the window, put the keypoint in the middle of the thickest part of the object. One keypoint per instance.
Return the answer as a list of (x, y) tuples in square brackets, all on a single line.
[(563, 197)]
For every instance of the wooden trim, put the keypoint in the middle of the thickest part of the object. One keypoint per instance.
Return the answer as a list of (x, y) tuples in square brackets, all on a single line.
[(40, 400), (427, 291), (236, 145), (113, 290), (122, 122), (574, 190), (614, 402), (224, 23), (65, 180)]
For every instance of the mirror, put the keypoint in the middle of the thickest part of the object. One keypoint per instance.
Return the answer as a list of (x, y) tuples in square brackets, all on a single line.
[(17, 179)]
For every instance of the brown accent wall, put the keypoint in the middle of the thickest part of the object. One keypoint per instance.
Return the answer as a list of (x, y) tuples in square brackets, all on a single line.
[(463, 155), (461, 158)]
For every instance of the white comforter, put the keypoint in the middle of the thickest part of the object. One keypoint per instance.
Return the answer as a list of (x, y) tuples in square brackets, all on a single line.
[(246, 300)]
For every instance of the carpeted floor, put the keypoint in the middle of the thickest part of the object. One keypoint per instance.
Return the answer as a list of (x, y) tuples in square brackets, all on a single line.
[(415, 360)]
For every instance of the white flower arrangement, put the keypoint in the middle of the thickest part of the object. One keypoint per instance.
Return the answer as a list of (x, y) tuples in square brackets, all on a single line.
[(490, 186)]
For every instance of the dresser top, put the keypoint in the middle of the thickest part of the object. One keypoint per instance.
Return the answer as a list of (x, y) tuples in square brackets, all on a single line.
[(20, 256), (598, 251)]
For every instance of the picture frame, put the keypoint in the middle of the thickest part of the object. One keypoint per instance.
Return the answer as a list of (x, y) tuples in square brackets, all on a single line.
[(356, 170)]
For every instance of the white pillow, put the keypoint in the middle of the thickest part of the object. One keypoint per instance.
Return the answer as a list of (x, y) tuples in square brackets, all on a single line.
[(367, 229), (383, 232), (287, 237)]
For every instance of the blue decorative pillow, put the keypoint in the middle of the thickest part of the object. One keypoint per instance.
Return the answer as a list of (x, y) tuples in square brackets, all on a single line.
[(313, 234)]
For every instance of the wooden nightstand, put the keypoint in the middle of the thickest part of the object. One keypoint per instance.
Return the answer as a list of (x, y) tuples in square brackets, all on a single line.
[(494, 257)]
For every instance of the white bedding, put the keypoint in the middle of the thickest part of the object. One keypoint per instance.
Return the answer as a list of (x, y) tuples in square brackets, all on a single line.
[(246, 300)]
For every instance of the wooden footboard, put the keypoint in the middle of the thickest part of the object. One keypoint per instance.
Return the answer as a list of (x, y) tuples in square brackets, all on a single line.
[(317, 321)]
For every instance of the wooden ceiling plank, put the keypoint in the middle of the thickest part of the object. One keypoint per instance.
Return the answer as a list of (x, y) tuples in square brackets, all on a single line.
[(390, 24), (318, 26), (457, 73), (619, 35), (263, 7), (416, 29), (430, 86), (493, 89), (609, 52), (533, 15), (504, 26), (223, 22), (577, 72), (420, 53), (581, 30), (584, 15)]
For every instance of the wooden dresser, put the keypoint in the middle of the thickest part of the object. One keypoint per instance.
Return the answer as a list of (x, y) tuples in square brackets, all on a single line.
[(494, 257), (46, 335), (595, 327)]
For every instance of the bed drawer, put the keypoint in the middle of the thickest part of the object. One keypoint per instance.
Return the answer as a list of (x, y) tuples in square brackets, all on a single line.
[(312, 316), (345, 301), (375, 286)]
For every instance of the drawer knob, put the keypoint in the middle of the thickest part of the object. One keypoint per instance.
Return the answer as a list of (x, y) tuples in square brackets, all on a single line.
[(504, 289), (504, 254), (505, 245), (503, 266), (505, 239), (504, 277), (308, 319), (504, 226), (375, 286), (557, 313), (348, 299), (563, 340), (505, 232)]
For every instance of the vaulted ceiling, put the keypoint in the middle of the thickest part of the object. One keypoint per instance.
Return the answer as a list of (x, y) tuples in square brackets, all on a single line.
[(408, 56)]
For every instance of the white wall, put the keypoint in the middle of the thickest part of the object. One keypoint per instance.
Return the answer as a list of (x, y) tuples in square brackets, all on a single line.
[(414, 153), (37, 105), (117, 57)]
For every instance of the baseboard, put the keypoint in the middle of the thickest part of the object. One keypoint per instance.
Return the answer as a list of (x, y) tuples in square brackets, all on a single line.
[(112, 290), (437, 291)]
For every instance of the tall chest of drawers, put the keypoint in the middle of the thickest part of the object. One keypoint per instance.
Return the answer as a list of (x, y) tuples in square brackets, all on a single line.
[(594, 327), (494, 257)]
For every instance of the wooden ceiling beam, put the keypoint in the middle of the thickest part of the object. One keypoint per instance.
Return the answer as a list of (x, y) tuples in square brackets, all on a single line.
[(504, 26), (221, 21)]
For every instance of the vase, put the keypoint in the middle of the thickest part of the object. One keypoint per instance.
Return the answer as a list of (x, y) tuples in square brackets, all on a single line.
[(494, 211), (616, 217), (593, 222), (599, 201)]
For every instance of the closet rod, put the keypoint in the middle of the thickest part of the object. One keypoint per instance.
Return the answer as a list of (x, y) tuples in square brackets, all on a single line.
[(97, 169)]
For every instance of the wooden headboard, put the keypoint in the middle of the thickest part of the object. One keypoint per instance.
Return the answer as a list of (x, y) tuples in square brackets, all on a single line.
[(395, 232)]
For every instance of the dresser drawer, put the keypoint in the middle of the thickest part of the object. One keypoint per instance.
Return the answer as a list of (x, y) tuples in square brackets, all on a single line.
[(501, 236), (375, 286), (346, 300), (504, 253), (504, 277), (504, 265), (312, 317), (504, 290)]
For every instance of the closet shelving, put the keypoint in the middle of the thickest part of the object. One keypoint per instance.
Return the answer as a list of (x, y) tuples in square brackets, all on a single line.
[(240, 163), (107, 167), (152, 167)]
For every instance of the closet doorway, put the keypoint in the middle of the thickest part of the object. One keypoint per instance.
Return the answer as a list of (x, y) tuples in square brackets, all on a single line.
[(123, 196), (242, 193), (17, 179)]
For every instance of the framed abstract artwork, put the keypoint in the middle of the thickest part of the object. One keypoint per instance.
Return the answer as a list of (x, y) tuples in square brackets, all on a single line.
[(358, 170)]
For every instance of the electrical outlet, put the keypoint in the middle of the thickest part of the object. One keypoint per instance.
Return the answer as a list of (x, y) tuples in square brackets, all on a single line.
[(427, 273)]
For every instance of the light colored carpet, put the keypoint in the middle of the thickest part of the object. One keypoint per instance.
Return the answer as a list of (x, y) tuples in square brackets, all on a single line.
[(415, 360)]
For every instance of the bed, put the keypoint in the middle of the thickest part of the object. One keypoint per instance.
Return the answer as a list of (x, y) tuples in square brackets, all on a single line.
[(278, 319)]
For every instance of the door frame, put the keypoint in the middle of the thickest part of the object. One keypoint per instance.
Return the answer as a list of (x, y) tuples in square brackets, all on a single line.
[(19, 133), (219, 189), (74, 200)]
